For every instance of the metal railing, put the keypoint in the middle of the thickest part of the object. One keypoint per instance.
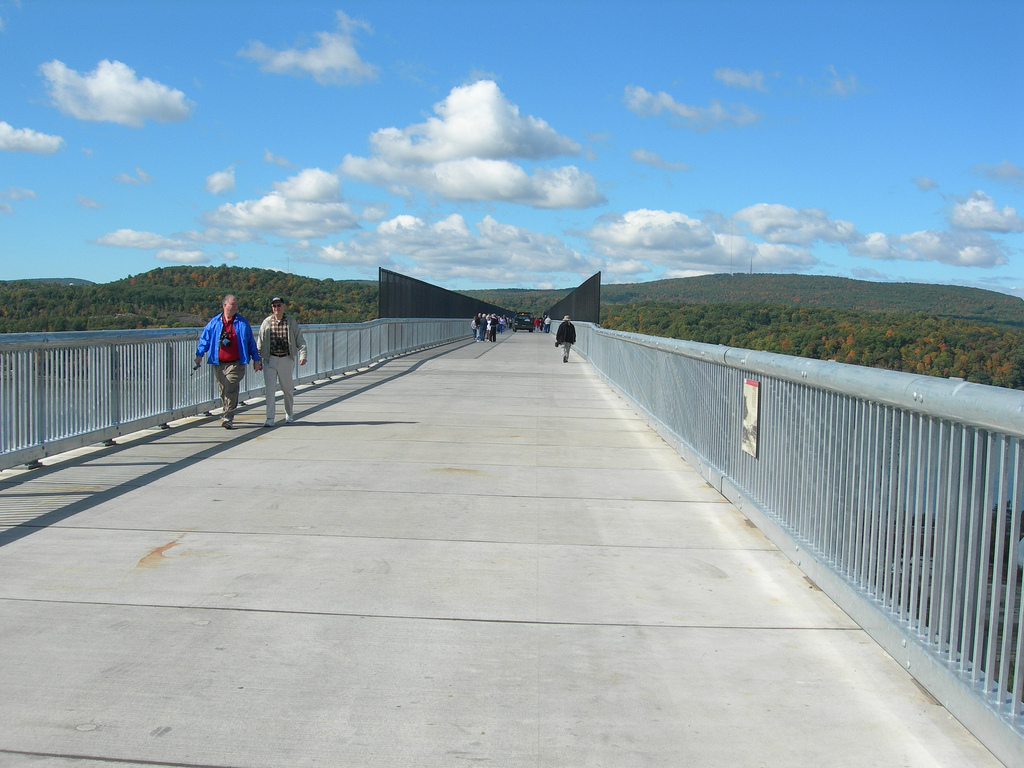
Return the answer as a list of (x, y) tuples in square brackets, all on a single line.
[(60, 391), (899, 495)]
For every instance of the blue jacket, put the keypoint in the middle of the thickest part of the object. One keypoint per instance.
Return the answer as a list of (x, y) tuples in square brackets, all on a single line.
[(209, 340)]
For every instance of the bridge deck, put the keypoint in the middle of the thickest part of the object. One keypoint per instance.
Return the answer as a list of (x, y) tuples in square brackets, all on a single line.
[(476, 553)]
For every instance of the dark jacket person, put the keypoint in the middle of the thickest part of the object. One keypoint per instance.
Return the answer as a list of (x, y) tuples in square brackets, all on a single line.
[(565, 337)]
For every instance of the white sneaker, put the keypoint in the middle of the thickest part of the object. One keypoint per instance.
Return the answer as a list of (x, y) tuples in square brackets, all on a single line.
[(289, 420)]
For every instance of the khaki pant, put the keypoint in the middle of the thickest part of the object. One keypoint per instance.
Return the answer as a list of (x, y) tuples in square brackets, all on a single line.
[(279, 369), (228, 376)]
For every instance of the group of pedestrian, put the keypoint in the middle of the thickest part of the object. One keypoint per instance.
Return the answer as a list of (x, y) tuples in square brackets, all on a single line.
[(486, 327), (229, 345)]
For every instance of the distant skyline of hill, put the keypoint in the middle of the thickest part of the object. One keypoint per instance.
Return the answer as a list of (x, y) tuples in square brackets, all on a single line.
[(182, 296), (936, 330), (796, 290)]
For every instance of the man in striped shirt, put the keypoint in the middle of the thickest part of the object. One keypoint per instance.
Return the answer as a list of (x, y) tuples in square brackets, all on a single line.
[(280, 341)]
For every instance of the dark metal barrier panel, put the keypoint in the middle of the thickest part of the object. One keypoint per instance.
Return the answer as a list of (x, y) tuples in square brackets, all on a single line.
[(583, 304), (401, 296)]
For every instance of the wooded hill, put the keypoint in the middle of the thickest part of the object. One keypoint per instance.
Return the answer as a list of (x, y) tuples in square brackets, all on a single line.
[(795, 290), (938, 330), (180, 297), (986, 353)]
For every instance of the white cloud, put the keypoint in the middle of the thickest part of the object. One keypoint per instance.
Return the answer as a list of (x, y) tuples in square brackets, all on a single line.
[(474, 121), (304, 206), (878, 245), (26, 140), (466, 154), (651, 232), (483, 180), (925, 183), (13, 193), (88, 202), (782, 224), (221, 236), (141, 177), (17, 193), (130, 238), (655, 160), (679, 242), (333, 61), (167, 249), (869, 274), (311, 185), (674, 273), (183, 257), (221, 181), (978, 211), (288, 218), (840, 86), (449, 250), (113, 93), (374, 212), (270, 157), (619, 270), (962, 249), (738, 79), (1004, 171), (644, 104), (958, 248)]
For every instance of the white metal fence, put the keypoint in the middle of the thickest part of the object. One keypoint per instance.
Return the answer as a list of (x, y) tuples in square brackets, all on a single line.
[(899, 495), (60, 391)]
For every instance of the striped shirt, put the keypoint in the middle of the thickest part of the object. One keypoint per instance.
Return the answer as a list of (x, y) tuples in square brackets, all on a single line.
[(278, 337)]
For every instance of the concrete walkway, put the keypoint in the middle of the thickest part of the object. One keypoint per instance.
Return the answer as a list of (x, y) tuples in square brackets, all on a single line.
[(474, 554)]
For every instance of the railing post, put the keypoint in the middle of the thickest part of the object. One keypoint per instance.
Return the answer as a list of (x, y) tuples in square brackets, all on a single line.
[(115, 385), (40, 358), (169, 375)]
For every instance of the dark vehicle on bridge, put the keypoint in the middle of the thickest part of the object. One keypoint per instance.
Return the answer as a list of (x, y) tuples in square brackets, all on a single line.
[(523, 321)]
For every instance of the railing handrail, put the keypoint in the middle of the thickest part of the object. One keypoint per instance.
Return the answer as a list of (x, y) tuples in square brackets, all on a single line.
[(980, 405), (12, 341)]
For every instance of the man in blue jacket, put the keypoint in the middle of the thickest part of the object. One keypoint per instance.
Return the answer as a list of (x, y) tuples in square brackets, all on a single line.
[(229, 341)]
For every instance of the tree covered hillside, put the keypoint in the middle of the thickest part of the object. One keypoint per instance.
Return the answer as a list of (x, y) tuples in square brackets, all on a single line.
[(180, 297), (914, 343), (819, 291), (931, 329)]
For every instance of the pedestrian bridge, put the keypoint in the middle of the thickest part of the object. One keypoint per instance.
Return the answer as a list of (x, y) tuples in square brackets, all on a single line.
[(472, 553)]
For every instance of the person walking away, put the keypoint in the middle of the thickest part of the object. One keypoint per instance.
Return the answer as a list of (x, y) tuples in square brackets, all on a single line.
[(228, 342), (547, 324), (474, 324), (280, 342), (565, 337)]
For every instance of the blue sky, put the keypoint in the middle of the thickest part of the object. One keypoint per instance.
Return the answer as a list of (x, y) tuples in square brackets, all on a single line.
[(514, 144)]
